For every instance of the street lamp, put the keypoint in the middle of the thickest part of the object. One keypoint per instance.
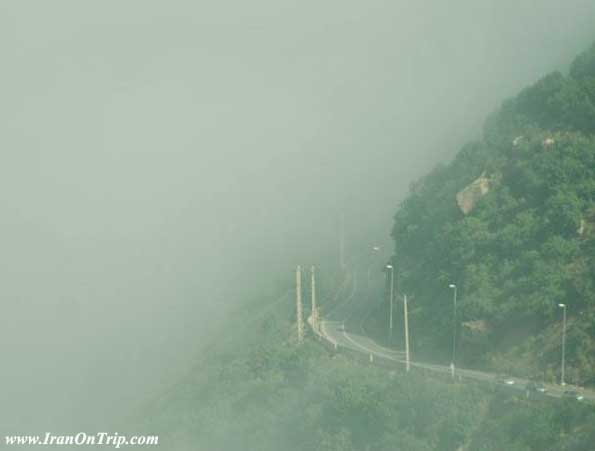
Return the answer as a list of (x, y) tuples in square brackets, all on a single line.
[(454, 328), (563, 307), (406, 316), (374, 249), (390, 319)]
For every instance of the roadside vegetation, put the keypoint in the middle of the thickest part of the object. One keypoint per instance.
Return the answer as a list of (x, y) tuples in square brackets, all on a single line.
[(259, 390), (511, 221)]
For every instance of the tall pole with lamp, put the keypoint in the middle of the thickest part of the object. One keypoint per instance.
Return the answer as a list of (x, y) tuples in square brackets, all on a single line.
[(563, 307), (390, 303), (454, 329)]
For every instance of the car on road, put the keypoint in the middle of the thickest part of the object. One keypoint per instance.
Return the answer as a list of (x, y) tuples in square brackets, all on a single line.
[(505, 380), (535, 387), (573, 394)]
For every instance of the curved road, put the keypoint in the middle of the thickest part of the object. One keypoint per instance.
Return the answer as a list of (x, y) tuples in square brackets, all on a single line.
[(343, 326)]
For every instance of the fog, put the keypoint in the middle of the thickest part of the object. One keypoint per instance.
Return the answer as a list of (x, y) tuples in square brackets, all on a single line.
[(161, 162)]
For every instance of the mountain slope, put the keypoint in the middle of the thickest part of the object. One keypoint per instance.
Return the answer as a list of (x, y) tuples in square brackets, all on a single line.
[(511, 221)]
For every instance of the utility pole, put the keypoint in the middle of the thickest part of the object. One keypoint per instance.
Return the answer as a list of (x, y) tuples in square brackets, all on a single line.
[(390, 303), (406, 332), (454, 329), (313, 298), (298, 304), (562, 380), (342, 242)]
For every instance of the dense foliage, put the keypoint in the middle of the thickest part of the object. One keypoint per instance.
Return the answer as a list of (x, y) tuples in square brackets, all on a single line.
[(527, 244), (260, 391)]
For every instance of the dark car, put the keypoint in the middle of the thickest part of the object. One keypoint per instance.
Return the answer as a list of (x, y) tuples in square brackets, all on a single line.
[(573, 394), (535, 387)]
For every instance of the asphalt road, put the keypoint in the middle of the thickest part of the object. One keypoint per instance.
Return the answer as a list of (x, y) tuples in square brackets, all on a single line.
[(344, 327)]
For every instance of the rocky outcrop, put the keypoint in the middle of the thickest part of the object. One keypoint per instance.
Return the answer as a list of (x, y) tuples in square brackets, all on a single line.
[(582, 227), (478, 326), (586, 229), (516, 141), (468, 197)]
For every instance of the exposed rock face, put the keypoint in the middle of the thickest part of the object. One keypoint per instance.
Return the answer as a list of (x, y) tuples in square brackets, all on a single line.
[(517, 141), (581, 228), (478, 326), (468, 197), (476, 333), (586, 228)]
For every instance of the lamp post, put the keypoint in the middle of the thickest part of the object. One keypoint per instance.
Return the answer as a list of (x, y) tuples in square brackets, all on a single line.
[(374, 249), (406, 315), (390, 303), (563, 307), (454, 329)]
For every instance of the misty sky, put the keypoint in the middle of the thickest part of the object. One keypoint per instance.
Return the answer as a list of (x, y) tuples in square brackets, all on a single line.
[(160, 160)]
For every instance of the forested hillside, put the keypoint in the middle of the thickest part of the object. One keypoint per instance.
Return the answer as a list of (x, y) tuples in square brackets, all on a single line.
[(511, 221), (260, 391), (257, 390)]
